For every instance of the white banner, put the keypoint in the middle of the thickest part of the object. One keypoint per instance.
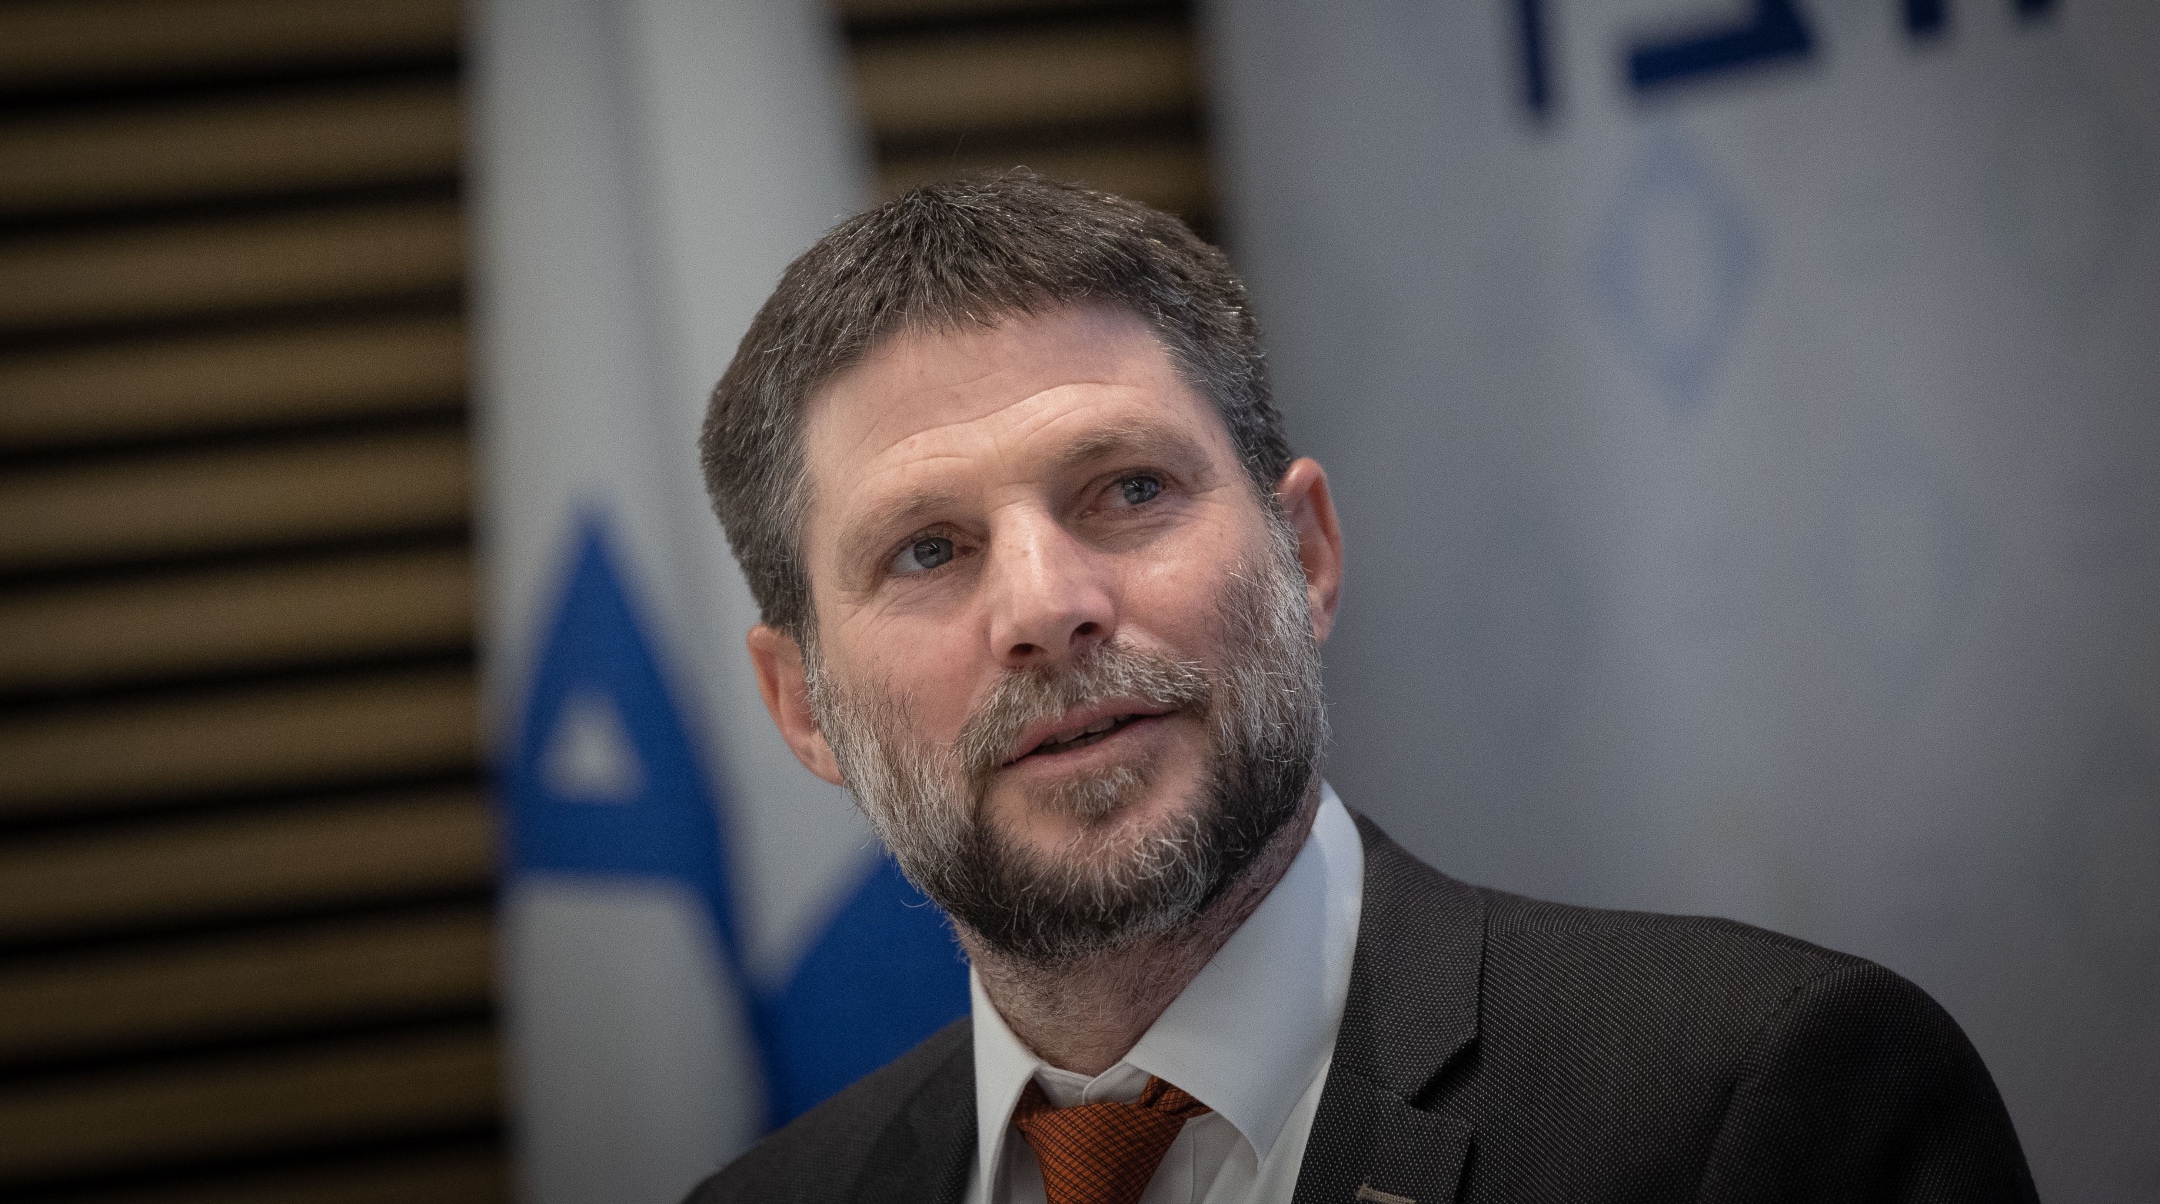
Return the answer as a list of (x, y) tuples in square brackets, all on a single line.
[(700, 938), (1746, 420)]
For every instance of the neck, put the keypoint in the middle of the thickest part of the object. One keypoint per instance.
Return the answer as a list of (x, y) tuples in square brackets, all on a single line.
[(1084, 1016)]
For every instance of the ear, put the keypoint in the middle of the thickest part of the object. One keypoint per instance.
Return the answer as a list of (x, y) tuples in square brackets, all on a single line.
[(785, 684), (1303, 492)]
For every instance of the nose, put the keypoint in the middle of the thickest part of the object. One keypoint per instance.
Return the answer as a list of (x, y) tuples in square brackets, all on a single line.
[(1050, 597)]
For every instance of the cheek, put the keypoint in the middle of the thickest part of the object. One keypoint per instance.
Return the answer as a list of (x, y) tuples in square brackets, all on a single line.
[(1174, 605), (918, 659), (1176, 596)]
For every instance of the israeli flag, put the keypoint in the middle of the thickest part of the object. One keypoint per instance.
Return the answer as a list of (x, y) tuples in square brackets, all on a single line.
[(700, 939), (1742, 413)]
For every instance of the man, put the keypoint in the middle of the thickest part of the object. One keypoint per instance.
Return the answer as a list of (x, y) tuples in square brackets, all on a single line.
[(1043, 586)]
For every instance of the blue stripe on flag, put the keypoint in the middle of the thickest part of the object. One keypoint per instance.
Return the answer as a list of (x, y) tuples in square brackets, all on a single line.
[(885, 973), (605, 780)]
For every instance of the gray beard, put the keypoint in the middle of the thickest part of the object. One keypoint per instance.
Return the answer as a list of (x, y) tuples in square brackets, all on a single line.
[(1267, 718)]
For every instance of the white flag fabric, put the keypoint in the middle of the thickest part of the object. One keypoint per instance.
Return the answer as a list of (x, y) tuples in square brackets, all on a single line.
[(700, 940), (1746, 420)]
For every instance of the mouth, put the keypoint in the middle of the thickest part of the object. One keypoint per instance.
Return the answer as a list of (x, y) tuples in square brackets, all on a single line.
[(1081, 731)]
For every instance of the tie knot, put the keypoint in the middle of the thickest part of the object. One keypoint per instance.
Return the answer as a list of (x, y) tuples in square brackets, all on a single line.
[(1103, 1153)]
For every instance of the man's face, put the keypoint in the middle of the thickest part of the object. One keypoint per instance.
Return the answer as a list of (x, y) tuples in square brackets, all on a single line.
[(1054, 623)]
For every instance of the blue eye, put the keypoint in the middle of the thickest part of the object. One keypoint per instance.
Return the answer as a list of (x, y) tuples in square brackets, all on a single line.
[(1138, 491), (923, 555)]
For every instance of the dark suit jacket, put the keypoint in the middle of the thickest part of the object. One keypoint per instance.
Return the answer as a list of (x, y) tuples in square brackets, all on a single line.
[(1495, 1048)]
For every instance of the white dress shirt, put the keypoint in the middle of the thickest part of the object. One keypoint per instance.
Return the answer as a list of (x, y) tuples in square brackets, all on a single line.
[(1250, 1037)]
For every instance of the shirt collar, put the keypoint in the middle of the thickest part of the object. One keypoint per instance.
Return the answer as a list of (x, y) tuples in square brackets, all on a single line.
[(1278, 984)]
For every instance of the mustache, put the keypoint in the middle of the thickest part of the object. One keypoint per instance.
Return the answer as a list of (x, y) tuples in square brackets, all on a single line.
[(1025, 697)]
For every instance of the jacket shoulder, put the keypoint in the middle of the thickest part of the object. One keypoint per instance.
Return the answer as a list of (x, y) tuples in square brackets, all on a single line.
[(1721, 1060), (822, 1153), (1610, 996), (1650, 950), (1604, 973)]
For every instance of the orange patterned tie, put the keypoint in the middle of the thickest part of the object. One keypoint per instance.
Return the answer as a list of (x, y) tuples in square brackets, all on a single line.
[(1103, 1153)]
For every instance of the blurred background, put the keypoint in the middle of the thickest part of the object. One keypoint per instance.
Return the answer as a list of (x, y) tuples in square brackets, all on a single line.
[(1743, 416), (246, 859)]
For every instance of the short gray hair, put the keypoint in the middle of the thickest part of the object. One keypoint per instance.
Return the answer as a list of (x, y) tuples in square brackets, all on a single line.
[(965, 252)]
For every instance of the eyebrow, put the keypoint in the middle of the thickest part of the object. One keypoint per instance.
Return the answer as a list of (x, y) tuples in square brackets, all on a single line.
[(1165, 445), (868, 535)]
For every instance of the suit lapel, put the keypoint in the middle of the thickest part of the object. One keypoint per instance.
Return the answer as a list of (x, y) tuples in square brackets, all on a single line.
[(1382, 1134), (926, 1152)]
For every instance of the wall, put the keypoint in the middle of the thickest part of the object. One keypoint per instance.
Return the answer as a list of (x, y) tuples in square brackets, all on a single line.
[(1742, 418)]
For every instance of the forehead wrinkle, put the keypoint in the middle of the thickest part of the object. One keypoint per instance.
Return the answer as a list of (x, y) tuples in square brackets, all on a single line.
[(1157, 440), (980, 441), (872, 437), (994, 453), (987, 443)]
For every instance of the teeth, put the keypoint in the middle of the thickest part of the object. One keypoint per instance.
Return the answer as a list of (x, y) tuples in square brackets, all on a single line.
[(1102, 725)]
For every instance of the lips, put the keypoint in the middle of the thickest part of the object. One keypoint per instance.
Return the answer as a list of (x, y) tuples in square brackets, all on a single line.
[(1080, 728)]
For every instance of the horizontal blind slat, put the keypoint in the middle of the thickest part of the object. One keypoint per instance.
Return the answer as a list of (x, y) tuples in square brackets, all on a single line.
[(230, 986), (904, 10), (177, 269), (347, 1090), (449, 1177), (206, 501), (234, 619), (269, 737), (189, 869), (1172, 178), (922, 86), (47, 42), (258, 144), (148, 388)]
